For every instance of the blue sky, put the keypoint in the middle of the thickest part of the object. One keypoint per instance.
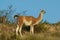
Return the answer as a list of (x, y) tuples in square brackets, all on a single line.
[(52, 8)]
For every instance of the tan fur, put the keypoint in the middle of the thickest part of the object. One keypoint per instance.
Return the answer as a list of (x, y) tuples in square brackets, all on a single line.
[(29, 20)]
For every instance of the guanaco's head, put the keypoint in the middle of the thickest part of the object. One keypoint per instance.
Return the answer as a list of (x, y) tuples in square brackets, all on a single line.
[(43, 11)]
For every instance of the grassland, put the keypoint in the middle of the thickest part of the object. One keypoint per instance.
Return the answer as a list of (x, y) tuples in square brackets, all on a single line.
[(43, 31)]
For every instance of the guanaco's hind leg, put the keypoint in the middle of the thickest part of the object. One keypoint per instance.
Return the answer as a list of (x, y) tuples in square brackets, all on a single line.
[(17, 29), (20, 30)]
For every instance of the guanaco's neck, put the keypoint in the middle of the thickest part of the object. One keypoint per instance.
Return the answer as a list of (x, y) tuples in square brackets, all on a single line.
[(40, 17)]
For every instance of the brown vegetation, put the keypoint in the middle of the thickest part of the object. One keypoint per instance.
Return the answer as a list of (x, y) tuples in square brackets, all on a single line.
[(2, 19), (43, 31)]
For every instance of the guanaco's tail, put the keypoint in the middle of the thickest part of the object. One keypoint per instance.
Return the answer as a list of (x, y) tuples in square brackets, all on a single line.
[(15, 16)]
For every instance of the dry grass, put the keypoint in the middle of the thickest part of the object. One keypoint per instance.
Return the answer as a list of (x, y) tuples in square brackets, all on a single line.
[(42, 32)]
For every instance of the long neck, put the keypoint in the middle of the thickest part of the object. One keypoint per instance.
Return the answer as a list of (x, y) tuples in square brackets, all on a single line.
[(40, 16)]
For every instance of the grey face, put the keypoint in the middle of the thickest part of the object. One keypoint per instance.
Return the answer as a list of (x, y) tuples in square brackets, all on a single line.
[(43, 11)]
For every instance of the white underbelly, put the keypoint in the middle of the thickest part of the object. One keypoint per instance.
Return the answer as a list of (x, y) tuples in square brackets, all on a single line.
[(27, 22)]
